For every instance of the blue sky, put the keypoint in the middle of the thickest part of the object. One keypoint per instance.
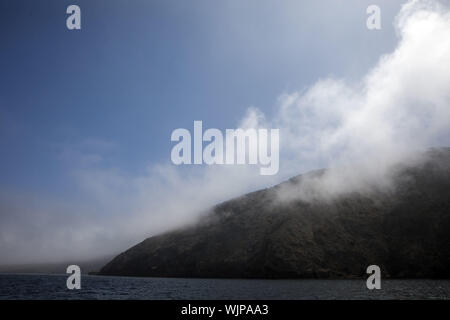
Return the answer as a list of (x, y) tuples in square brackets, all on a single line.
[(86, 115), (137, 70)]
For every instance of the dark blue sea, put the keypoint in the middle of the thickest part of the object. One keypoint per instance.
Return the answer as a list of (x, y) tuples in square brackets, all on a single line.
[(43, 286)]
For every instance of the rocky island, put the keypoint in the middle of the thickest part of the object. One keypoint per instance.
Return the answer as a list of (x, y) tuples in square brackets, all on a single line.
[(405, 230)]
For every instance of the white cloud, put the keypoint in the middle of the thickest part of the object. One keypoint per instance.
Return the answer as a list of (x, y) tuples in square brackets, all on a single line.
[(399, 107)]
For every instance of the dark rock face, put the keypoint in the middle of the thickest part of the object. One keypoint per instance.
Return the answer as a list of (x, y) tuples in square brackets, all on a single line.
[(406, 231)]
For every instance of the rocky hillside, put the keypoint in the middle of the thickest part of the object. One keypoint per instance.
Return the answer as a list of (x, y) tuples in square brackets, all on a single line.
[(405, 230)]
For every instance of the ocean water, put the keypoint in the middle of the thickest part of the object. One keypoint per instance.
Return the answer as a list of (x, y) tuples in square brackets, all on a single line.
[(41, 286)]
